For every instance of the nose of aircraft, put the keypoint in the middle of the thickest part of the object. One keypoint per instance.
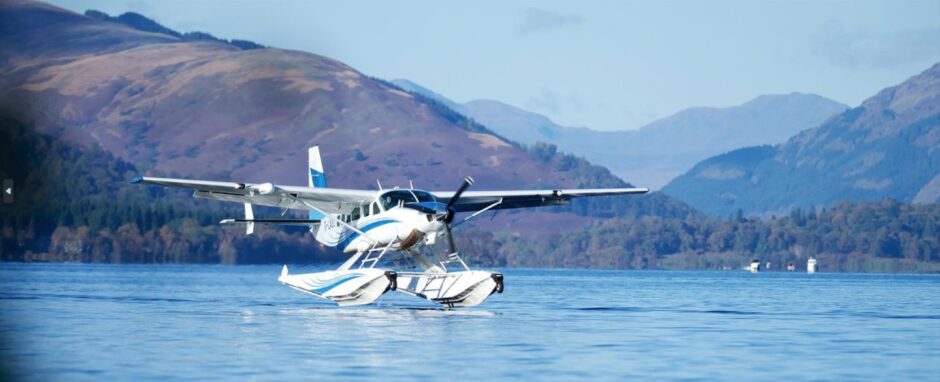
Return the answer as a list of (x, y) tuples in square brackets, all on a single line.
[(430, 223), (434, 216)]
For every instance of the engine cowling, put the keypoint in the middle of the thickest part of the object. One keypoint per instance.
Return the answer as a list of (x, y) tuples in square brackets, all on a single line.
[(264, 188)]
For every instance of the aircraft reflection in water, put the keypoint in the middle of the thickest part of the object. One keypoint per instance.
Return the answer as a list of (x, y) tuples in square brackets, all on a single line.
[(373, 226)]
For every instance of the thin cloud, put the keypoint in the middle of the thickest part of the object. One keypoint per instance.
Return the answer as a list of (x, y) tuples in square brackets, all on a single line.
[(551, 102), (547, 100), (863, 48), (540, 20)]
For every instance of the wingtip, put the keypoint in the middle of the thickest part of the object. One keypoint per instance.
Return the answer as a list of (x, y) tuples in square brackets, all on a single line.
[(136, 180)]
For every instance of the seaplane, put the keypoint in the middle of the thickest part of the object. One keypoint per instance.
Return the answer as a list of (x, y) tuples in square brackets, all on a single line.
[(379, 227)]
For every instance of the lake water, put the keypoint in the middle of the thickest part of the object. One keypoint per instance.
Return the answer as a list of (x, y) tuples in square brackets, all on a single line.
[(195, 322)]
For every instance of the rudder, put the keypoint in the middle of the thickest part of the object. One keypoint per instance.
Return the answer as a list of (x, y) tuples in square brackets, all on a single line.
[(316, 177)]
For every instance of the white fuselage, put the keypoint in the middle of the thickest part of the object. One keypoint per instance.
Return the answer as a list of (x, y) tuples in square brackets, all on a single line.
[(397, 225)]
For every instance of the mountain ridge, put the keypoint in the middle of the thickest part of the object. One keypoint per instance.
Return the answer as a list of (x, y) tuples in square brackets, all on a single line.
[(887, 147), (665, 148)]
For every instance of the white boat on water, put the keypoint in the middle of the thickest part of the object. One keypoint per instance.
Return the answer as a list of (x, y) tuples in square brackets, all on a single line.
[(811, 265), (755, 266)]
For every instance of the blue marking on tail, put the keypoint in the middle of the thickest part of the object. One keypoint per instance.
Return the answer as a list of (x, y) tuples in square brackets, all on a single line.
[(318, 179)]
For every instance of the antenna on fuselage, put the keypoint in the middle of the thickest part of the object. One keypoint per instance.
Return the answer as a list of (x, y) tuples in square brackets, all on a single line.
[(410, 184), (379, 183)]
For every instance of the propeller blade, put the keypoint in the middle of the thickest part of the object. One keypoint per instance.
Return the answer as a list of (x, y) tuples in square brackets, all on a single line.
[(463, 187), (425, 207), (450, 239), (450, 213)]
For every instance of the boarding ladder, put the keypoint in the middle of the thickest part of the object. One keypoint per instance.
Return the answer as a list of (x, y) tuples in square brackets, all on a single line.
[(371, 258), (451, 259)]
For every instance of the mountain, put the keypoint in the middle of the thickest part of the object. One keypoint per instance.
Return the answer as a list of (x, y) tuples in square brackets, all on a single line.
[(663, 149), (206, 108), (165, 103), (412, 87), (888, 147)]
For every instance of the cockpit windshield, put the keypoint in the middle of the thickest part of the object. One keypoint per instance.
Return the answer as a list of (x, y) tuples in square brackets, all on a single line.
[(400, 197), (423, 196)]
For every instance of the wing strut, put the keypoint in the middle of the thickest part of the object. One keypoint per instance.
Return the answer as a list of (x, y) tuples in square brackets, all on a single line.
[(475, 214), (328, 216), (249, 217)]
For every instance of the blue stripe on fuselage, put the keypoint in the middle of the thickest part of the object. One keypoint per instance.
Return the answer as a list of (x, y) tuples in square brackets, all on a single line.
[(366, 228)]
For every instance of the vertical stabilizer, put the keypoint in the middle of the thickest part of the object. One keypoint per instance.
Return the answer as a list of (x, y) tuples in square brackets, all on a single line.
[(316, 177), (328, 232)]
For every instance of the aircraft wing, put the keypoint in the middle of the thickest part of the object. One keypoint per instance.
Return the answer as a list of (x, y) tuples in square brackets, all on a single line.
[(478, 200), (330, 200)]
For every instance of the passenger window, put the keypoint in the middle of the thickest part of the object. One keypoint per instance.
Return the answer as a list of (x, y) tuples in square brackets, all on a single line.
[(355, 213), (375, 208)]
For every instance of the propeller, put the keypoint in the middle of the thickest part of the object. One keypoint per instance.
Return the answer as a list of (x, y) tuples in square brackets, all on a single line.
[(449, 217), (443, 213), (467, 182)]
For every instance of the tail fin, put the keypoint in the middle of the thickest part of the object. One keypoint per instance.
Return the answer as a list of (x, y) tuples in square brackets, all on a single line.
[(316, 177), (327, 234)]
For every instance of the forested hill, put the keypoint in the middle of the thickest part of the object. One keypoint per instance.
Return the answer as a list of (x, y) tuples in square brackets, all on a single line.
[(888, 147), (75, 205), (885, 236)]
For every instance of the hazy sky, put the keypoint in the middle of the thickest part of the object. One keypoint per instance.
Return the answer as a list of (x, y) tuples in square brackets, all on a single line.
[(606, 65)]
